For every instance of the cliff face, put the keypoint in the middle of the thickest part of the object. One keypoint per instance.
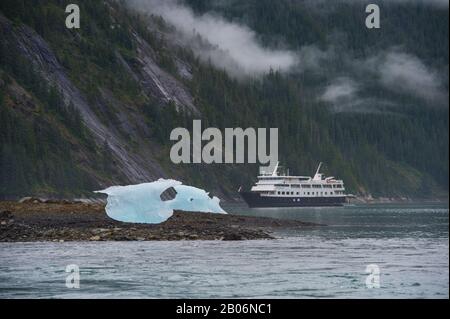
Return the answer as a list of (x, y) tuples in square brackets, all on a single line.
[(158, 83), (134, 167), (131, 166)]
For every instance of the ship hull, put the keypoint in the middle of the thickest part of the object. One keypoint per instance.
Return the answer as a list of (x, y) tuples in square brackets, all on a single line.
[(256, 200)]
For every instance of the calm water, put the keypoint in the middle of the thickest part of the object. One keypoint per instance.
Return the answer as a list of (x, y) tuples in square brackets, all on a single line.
[(408, 243)]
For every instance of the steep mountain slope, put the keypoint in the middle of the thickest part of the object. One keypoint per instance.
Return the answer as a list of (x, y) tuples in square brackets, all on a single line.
[(87, 108)]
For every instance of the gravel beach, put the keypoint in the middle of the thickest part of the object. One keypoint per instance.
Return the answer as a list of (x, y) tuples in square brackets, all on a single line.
[(36, 220)]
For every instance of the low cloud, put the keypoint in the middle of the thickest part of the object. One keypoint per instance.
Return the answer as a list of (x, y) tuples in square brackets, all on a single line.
[(343, 95), (311, 58), (439, 3), (352, 84), (405, 73), (227, 45), (436, 3), (340, 90)]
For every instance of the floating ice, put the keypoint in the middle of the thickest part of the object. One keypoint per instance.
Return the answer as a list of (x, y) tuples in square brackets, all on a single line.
[(142, 203)]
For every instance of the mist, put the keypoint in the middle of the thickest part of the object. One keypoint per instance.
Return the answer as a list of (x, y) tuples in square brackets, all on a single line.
[(444, 4), (348, 82), (406, 73), (394, 70), (230, 46), (340, 90)]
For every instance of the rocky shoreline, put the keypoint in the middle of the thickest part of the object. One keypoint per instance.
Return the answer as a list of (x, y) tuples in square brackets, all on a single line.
[(58, 221)]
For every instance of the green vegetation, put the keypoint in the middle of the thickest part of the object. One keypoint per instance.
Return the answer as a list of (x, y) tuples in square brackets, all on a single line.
[(35, 155), (390, 153), (401, 152)]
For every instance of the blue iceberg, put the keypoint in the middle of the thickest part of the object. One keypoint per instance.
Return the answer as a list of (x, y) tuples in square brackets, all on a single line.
[(142, 203)]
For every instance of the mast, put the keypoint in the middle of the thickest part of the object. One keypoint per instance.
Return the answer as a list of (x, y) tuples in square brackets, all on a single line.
[(318, 176), (274, 173), (318, 168)]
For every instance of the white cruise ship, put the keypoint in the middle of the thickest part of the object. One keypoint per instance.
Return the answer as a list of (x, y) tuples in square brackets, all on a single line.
[(274, 189)]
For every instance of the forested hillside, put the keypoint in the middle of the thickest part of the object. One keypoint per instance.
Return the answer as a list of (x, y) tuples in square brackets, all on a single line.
[(83, 109)]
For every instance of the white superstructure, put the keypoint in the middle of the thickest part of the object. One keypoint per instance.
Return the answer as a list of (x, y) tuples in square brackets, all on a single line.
[(273, 184)]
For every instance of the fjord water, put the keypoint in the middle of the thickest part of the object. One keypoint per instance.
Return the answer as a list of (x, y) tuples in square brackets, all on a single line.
[(409, 244)]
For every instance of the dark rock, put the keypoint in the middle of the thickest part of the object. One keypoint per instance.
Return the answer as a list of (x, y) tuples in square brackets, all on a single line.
[(51, 201), (6, 215), (73, 221), (232, 236)]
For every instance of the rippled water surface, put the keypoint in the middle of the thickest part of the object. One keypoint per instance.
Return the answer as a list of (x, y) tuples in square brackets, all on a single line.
[(409, 244)]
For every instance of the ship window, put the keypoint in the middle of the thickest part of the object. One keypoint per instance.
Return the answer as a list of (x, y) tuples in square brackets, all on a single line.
[(298, 193), (282, 193), (306, 186)]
